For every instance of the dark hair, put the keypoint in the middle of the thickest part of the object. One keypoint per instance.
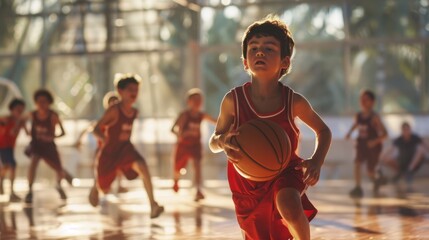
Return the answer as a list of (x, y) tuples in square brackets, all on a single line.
[(126, 79), (16, 102), (368, 93), (271, 26), (43, 93), (405, 124)]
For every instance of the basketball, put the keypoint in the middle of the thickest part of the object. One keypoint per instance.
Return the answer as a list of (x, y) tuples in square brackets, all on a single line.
[(265, 149)]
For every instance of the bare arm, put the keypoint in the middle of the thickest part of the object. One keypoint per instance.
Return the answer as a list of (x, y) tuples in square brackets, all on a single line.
[(381, 131), (56, 121), (109, 118), (178, 124), (303, 110), (221, 138), (209, 118), (353, 127)]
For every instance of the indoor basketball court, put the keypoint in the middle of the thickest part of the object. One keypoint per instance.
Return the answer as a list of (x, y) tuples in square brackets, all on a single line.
[(77, 49)]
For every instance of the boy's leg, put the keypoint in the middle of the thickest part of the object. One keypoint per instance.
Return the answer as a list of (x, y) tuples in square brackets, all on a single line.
[(3, 170), (60, 176), (13, 196), (198, 180), (288, 201), (142, 169), (31, 176), (357, 190)]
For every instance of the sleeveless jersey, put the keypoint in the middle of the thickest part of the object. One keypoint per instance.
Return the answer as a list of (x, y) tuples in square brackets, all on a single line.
[(254, 202), (42, 128), (191, 128), (121, 130), (7, 136), (365, 128)]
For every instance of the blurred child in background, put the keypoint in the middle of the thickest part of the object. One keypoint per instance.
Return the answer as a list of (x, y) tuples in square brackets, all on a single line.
[(44, 122), (187, 128), (9, 128), (371, 134)]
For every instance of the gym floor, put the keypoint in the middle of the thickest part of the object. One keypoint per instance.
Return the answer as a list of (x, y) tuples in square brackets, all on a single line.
[(395, 213)]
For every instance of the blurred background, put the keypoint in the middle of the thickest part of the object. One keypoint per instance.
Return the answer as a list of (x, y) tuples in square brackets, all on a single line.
[(75, 47)]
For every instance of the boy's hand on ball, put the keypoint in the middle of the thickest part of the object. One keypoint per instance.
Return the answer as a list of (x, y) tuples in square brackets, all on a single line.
[(230, 149), (311, 171)]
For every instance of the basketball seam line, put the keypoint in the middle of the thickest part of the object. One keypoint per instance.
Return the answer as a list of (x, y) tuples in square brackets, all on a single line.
[(278, 141), (250, 175), (239, 146), (268, 140)]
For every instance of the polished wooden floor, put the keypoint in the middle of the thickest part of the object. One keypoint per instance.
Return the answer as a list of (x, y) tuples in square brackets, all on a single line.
[(393, 214)]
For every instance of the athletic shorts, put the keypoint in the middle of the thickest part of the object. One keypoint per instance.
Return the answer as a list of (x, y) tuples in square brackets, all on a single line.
[(184, 152), (7, 157)]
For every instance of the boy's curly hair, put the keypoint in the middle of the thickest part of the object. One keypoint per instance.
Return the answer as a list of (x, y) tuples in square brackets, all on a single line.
[(121, 81), (271, 26), (43, 93)]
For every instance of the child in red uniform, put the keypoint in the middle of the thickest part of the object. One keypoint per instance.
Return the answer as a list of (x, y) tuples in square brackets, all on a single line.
[(117, 153), (371, 134), (9, 129), (42, 145), (188, 131), (278, 208)]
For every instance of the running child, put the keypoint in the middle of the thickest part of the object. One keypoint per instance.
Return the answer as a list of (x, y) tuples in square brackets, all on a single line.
[(278, 208), (187, 128), (369, 143), (9, 129), (44, 122), (117, 153)]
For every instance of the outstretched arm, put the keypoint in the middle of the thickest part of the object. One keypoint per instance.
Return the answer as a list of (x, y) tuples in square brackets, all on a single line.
[(303, 110)]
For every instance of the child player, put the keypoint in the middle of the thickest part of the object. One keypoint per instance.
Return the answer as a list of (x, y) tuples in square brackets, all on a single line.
[(117, 153), (278, 208), (9, 129), (42, 146), (371, 134), (109, 99), (188, 131)]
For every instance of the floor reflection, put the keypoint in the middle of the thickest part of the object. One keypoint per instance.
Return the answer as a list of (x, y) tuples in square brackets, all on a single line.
[(395, 213)]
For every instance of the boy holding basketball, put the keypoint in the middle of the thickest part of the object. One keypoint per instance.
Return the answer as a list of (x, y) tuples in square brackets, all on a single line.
[(117, 153), (279, 208), (9, 129), (187, 128), (371, 134)]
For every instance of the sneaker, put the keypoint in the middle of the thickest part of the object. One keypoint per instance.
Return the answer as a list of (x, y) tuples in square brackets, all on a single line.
[(356, 192), (176, 186), (93, 197), (156, 210), (63, 195), (29, 197), (14, 198), (199, 196)]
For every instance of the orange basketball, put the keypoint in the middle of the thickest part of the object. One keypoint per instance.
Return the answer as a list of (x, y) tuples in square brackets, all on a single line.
[(265, 149)]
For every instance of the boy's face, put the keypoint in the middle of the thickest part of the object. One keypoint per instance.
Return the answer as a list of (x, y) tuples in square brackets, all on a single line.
[(129, 93), (264, 56), (195, 102), (42, 103), (366, 102), (17, 111), (406, 131)]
